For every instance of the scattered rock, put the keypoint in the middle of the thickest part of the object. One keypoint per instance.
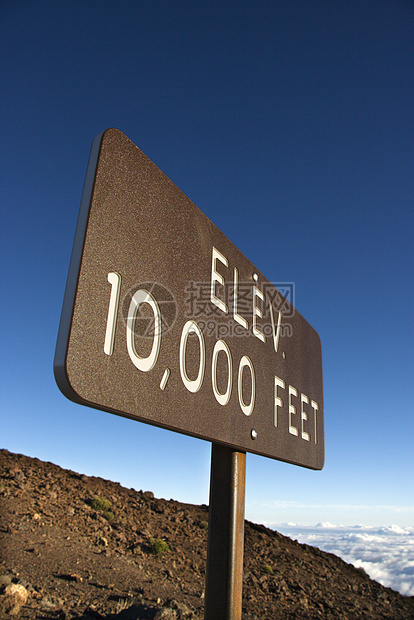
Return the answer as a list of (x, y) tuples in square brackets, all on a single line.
[(12, 599), (61, 559), (70, 577)]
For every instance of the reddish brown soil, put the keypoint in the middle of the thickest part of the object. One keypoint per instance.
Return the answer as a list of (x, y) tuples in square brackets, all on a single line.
[(74, 562)]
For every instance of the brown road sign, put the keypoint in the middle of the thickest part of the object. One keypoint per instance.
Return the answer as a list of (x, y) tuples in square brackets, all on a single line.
[(165, 321)]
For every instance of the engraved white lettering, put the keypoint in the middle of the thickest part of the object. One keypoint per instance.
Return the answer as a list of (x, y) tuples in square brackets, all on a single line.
[(217, 277)]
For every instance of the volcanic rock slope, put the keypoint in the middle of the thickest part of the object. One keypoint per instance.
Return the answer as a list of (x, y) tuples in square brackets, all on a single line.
[(74, 546)]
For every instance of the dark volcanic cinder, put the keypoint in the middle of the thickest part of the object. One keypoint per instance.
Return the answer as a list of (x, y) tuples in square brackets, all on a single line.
[(82, 547)]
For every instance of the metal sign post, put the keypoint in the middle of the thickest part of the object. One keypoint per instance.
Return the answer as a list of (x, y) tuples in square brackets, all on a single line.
[(224, 579), (165, 319)]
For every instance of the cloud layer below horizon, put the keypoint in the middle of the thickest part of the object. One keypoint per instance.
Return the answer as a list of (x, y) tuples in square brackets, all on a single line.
[(385, 553)]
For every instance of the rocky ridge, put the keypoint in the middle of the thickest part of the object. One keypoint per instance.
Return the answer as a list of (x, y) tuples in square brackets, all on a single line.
[(127, 556)]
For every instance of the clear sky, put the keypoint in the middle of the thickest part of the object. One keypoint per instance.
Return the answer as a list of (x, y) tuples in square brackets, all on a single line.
[(290, 125)]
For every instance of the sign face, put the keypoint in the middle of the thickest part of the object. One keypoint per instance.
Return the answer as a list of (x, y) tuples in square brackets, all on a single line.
[(165, 321)]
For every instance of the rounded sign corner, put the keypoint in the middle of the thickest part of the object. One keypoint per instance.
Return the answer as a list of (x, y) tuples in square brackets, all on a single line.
[(63, 382)]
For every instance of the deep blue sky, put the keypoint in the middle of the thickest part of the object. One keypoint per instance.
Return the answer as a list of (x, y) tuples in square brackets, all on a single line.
[(290, 124)]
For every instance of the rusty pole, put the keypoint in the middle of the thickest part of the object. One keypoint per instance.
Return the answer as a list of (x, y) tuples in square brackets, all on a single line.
[(224, 579)]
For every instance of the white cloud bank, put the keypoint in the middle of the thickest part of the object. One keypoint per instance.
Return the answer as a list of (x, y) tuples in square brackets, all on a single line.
[(385, 553)]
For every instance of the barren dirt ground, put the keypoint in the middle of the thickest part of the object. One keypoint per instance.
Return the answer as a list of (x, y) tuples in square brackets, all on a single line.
[(65, 555)]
